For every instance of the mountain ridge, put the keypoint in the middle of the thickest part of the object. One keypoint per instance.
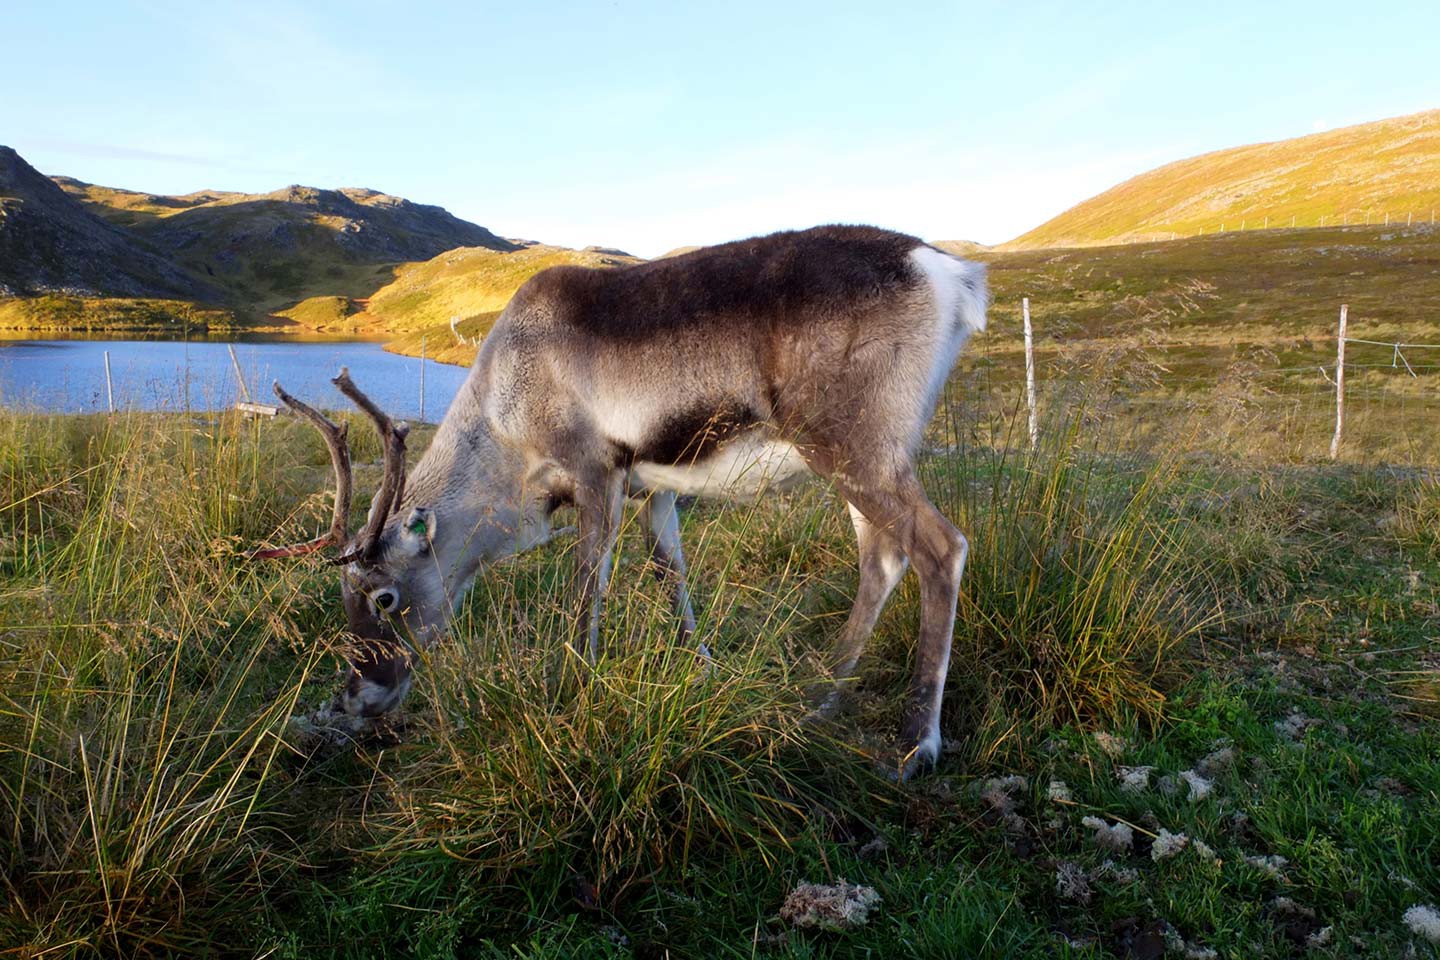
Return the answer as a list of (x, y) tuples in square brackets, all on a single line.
[(77, 253)]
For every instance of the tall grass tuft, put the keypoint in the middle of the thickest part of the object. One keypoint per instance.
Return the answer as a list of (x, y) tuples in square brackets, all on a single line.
[(1417, 514), (539, 769), (1077, 596), (140, 686)]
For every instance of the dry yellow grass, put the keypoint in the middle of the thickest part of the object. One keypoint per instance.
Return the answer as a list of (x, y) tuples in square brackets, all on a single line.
[(1344, 176)]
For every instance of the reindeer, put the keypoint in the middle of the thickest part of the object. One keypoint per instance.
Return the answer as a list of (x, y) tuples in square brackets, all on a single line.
[(729, 371)]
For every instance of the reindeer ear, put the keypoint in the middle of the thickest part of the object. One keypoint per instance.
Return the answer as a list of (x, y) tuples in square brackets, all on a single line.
[(419, 528)]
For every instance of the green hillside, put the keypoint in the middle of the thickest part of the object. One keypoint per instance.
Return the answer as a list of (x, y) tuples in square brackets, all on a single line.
[(1354, 175), (468, 282)]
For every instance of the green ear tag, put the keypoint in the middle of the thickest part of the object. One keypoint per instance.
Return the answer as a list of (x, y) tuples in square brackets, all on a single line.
[(418, 528)]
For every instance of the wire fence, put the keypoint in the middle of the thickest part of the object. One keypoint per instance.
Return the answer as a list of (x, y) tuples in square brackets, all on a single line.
[(1251, 222), (1296, 398)]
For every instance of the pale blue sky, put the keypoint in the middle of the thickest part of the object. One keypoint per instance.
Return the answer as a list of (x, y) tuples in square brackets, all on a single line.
[(651, 125)]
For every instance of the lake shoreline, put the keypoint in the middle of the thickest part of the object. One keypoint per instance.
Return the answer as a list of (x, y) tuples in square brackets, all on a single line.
[(88, 375)]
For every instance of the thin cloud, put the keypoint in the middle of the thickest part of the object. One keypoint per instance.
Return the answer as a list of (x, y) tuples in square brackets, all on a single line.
[(114, 151)]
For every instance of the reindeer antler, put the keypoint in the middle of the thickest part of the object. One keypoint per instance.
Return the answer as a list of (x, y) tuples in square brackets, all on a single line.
[(335, 439), (392, 483)]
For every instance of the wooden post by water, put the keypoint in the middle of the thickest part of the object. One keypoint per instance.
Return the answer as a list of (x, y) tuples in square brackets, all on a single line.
[(1030, 371), (422, 379), (244, 390), (1339, 385), (109, 385)]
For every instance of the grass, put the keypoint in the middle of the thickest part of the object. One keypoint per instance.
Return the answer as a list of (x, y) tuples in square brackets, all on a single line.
[(68, 314), (1238, 328), (1354, 175), (156, 800), (440, 343)]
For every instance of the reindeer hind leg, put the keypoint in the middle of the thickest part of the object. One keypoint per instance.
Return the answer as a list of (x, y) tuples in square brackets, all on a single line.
[(882, 566), (937, 551)]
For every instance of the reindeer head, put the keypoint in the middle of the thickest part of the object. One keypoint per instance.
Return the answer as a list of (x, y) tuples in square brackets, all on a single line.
[(394, 599)]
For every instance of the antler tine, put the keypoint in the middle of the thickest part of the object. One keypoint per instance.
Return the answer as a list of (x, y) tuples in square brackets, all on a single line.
[(392, 483), (335, 439)]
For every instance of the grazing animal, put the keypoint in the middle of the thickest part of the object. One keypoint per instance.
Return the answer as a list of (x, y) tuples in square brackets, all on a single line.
[(728, 371)]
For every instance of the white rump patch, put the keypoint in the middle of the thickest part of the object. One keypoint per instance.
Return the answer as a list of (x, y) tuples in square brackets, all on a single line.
[(961, 297), (961, 293)]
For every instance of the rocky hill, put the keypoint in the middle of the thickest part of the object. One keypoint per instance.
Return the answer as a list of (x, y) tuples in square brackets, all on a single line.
[(77, 255), (270, 250), (50, 243)]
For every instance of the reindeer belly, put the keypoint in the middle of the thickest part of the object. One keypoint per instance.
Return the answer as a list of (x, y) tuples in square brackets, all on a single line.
[(742, 468)]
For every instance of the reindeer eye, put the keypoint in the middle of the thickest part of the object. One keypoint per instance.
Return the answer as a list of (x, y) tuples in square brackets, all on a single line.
[(387, 600)]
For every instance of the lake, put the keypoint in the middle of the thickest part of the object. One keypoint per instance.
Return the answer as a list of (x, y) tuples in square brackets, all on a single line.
[(69, 375)]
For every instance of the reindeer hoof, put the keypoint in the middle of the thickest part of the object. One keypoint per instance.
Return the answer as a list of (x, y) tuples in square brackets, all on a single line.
[(831, 706), (916, 766), (918, 760)]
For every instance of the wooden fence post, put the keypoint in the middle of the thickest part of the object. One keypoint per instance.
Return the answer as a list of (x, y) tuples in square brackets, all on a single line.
[(1030, 371), (244, 390), (1339, 385), (109, 386)]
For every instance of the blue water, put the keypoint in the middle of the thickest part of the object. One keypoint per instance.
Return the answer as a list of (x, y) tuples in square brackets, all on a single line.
[(69, 375)]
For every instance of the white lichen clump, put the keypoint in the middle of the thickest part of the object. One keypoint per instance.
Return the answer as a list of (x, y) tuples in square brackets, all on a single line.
[(997, 792), (1217, 763), (1058, 792), (1109, 744), (1294, 725), (1204, 851), (1134, 779), (1167, 845), (1176, 944), (1117, 837), (1271, 866), (1424, 920), (843, 906), (1200, 788), (1112, 869), (1072, 882)]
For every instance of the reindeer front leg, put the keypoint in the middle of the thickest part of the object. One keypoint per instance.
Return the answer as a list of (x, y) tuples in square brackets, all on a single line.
[(662, 529), (599, 500)]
